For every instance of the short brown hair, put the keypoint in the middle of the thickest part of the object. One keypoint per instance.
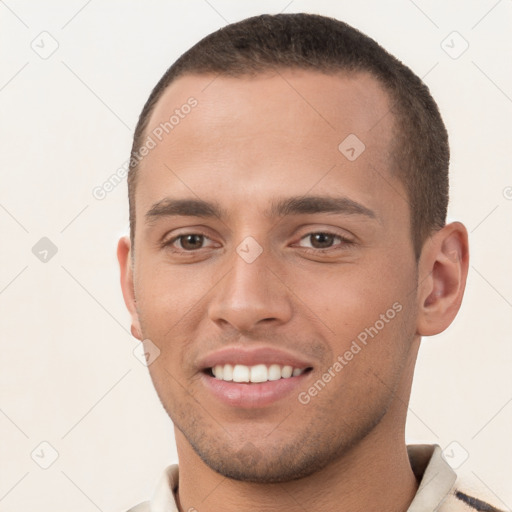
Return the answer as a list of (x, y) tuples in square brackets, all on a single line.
[(311, 42)]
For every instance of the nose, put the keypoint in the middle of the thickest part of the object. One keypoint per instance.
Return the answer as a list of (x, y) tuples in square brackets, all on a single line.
[(250, 295)]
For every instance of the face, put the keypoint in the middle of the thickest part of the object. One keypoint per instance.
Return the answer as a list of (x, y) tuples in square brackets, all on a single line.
[(263, 249)]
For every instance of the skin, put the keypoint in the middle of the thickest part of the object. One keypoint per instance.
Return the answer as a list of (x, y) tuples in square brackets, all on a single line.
[(250, 142)]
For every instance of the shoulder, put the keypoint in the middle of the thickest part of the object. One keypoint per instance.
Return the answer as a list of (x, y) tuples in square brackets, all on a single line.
[(163, 497), (466, 497), (141, 507)]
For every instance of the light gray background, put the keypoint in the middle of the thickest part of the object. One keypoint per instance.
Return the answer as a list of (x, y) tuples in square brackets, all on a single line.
[(68, 375)]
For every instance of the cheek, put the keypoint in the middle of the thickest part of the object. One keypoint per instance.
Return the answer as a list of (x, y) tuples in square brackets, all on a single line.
[(166, 294), (368, 357), (171, 303), (348, 298)]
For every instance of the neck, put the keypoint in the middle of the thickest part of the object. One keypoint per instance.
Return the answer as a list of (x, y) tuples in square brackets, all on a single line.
[(374, 475)]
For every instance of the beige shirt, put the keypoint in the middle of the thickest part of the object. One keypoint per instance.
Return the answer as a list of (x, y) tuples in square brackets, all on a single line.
[(439, 488)]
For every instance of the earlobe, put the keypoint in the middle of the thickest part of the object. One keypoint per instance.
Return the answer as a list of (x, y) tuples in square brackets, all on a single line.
[(444, 267), (127, 286)]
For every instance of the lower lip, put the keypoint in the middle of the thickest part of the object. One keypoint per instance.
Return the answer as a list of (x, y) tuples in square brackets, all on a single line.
[(253, 395)]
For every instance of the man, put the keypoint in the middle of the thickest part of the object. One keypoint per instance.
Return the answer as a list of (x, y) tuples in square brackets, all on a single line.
[(288, 250)]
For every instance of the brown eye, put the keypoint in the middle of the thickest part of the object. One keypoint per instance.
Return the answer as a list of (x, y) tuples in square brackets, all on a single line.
[(321, 240), (191, 242)]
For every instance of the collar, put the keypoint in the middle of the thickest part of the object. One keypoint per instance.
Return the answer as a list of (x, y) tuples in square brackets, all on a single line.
[(435, 474)]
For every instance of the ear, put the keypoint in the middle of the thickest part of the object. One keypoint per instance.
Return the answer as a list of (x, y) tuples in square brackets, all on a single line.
[(443, 269), (125, 265)]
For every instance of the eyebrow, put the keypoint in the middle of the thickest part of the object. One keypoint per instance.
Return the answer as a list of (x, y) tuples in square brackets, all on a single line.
[(299, 205), (189, 207), (319, 204)]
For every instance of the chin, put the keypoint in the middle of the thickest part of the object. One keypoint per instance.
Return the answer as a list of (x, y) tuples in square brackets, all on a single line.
[(264, 471), (279, 463)]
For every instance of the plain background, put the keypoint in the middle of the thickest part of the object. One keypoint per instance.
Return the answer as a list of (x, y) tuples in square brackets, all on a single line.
[(68, 375)]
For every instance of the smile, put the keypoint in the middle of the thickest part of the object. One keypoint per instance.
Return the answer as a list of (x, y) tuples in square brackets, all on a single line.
[(254, 374)]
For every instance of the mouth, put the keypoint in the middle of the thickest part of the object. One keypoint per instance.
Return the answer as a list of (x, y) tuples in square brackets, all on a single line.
[(255, 374), (253, 377), (254, 387)]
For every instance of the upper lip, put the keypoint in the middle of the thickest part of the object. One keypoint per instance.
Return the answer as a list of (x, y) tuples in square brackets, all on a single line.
[(251, 357)]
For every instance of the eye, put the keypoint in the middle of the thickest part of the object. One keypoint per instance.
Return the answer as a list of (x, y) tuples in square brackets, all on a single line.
[(322, 240), (189, 242)]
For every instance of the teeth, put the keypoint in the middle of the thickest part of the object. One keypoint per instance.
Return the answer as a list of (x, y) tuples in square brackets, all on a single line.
[(287, 372), (218, 371), (259, 373), (274, 372), (256, 373), (227, 372), (241, 373)]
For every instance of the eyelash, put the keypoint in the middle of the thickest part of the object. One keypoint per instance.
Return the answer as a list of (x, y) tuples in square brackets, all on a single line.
[(345, 242), (169, 243)]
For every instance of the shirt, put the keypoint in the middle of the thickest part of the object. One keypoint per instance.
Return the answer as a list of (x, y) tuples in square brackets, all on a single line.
[(439, 489)]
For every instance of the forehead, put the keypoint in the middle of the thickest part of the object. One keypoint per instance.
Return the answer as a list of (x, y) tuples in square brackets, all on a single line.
[(328, 102), (255, 137)]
